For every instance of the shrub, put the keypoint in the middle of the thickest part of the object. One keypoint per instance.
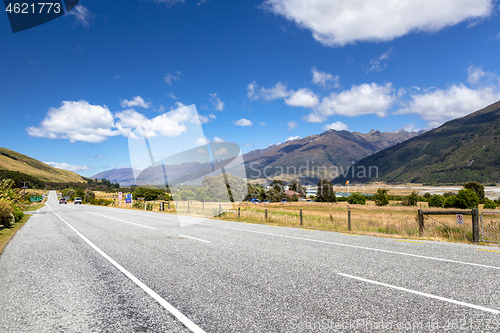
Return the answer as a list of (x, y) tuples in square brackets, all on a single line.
[(411, 200), (381, 197), (18, 214), (436, 201), (490, 204), (478, 188), (6, 213), (101, 202), (465, 199), (356, 199), (449, 202), (138, 204), (149, 206)]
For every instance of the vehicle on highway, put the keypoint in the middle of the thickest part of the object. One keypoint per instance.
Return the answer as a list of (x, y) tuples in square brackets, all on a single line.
[(256, 201), (78, 201), (267, 201), (63, 201), (284, 200)]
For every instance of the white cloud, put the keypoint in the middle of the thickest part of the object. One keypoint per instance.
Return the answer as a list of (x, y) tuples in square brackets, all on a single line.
[(292, 125), (82, 15), (337, 126), (325, 80), (343, 22), (202, 141), (216, 102), (212, 116), (201, 151), (267, 94), (137, 101), (243, 122), (303, 97), (76, 121), (170, 78), (359, 100), (171, 95), (478, 77), (437, 106), (69, 167), (380, 63), (217, 139), (222, 151), (292, 138)]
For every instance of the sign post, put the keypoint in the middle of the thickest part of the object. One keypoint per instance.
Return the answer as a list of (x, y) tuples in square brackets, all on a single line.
[(128, 198), (120, 198)]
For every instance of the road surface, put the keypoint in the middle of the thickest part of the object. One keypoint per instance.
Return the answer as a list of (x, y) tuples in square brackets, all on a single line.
[(80, 268)]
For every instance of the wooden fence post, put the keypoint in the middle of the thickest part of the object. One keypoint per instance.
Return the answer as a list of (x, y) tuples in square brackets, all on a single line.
[(301, 222), (239, 213), (349, 220), (475, 226), (420, 223), (266, 214)]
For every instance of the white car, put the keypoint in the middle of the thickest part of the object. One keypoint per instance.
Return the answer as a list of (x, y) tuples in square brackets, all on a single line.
[(78, 201)]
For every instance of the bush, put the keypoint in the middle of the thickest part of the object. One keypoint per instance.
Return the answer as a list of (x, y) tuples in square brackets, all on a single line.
[(149, 206), (478, 188), (436, 201), (449, 202), (490, 204), (138, 204), (356, 199), (6, 213), (381, 197), (18, 214), (465, 199), (101, 202), (411, 200)]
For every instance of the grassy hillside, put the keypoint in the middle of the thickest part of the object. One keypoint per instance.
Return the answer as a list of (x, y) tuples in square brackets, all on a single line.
[(461, 150), (13, 161)]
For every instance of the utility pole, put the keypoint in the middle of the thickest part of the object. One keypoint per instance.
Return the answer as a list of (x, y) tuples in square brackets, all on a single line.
[(24, 189)]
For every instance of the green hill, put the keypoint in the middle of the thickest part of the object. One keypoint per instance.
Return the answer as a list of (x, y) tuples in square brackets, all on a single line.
[(461, 150), (13, 161)]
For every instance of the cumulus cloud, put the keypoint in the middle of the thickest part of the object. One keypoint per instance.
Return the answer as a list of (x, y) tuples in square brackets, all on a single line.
[(255, 92), (439, 105), (216, 102), (243, 122), (217, 139), (337, 126), (69, 167), (137, 101), (202, 141), (359, 100), (303, 97), (341, 22), (76, 121), (325, 80), (221, 152), (292, 125)]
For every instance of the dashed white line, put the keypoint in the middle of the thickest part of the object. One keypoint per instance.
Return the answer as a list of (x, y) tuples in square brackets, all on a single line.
[(167, 306), (198, 239), (123, 221), (449, 300)]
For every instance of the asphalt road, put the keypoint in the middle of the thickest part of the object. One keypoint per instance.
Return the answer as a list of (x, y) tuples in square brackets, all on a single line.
[(75, 268)]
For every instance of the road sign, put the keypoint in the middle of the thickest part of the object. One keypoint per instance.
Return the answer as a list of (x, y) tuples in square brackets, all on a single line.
[(128, 198), (36, 199), (460, 219), (120, 196)]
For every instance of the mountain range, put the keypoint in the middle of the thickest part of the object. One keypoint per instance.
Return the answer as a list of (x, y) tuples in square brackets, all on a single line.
[(461, 150)]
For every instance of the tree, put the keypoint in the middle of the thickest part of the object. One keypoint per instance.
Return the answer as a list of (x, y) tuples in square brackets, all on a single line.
[(356, 199), (411, 200), (436, 201), (187, 195), (478, 188), (381, 197), (490, 204), (465, 199), (326, 193), (295, 186)]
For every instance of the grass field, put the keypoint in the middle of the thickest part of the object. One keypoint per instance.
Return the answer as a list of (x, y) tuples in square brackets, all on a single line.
[(389, 221)]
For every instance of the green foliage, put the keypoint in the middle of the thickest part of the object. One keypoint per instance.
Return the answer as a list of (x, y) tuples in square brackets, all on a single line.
[(411, 200), (225, 187), (427, 195), (149, 206), (187, 195), (490, 204), (465, 199), (150, 194), (18, 214), (436, 201), (8, 192), (138, 204), (478, 188), (381, 197), (6, 213), (356, 199), (101, 202), (19, 178), (88, 196), (295, 186), (326, 192)]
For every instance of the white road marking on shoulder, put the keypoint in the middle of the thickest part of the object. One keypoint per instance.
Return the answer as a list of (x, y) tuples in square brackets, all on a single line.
[(198, 239), (112, 218), (449, 300)]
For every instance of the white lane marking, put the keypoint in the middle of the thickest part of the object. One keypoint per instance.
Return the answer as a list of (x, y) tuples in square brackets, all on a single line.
[(362, 247), (449, 300), (198, 239), (167, 306), (112, 218)]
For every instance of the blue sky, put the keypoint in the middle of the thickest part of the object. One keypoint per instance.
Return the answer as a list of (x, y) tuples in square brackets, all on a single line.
[(258, 72)]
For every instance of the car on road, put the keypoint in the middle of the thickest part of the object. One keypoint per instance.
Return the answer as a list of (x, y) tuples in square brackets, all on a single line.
[(78, 201), (284, 200), (256, 201), (267, 201), (63, 201)]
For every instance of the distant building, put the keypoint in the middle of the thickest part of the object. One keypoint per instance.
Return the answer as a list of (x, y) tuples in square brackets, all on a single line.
[(290, 193), (311, 190)]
